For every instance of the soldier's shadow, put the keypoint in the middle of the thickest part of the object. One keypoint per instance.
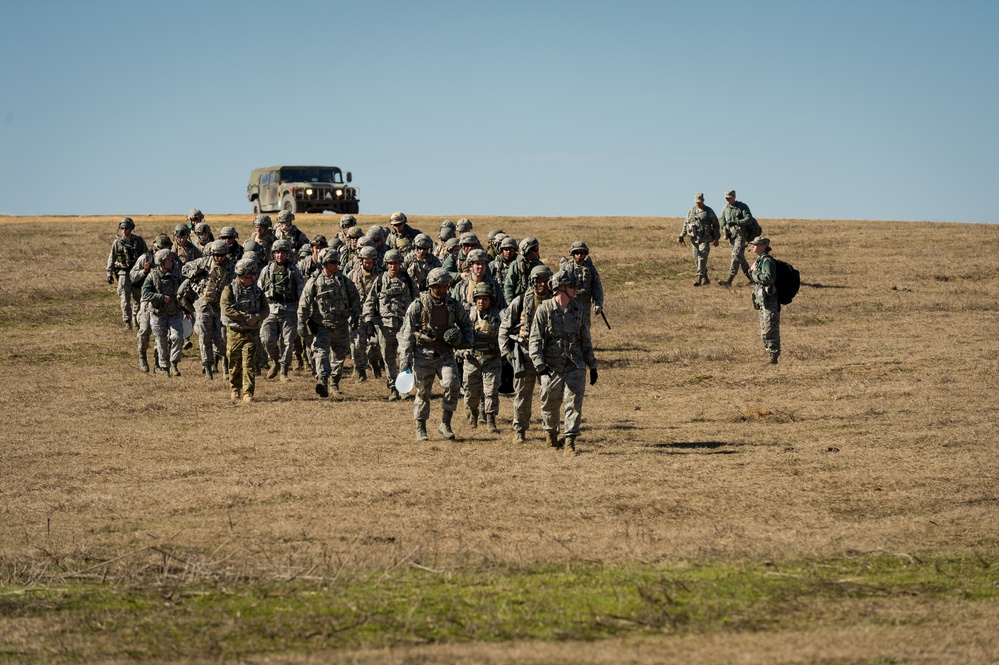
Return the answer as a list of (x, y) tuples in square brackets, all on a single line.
[(694, 448)]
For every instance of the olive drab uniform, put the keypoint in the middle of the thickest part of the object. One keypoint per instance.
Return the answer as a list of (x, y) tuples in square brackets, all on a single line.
[(363, 341), (483, 364), (464, 292), (329, 308), (186, 251), (763, 275), (419, 270), (590, 292), (514, 340), (124, 253), (243, 309), (518, 277), (208, 278), (498, 268), (385, 308), (422, 347), (736, 218), (283, 285), (703, 228), (159, 292), (560, 342)]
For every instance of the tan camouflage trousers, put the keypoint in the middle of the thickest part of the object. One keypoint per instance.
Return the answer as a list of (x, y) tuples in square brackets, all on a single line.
[(700, 250), (479, 381), (523, 400), (211, 332), (241, 350), (770, 327), (426, 370), (738, 257), (563, 389)]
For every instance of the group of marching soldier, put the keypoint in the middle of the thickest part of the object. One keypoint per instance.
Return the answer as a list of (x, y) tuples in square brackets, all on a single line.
[(394, 299)]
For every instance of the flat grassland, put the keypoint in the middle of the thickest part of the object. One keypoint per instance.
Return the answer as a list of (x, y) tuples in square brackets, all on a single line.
[(840, 507)]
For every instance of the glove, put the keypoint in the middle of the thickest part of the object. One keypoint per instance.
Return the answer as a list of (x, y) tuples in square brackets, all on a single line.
[(597, 309), (454, 337), (544, 371), (110, 279), (593, 375)]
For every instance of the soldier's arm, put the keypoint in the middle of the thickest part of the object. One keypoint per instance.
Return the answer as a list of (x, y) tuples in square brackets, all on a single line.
[(536, 348), (138, 272), (597, 289), (149, 292), (230, 312), (510, 285), (370, 307), (465, 325), (586, 343), (299, 281), (410, 323), (111, 254)]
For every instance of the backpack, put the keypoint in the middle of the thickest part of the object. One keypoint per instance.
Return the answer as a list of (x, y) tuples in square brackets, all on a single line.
[(753, 231), (788, 282)]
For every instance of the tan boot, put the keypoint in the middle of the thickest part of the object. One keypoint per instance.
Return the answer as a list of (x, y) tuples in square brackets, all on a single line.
[(247, 398), (445, 427), (273, 371), (234, 395), (421, 431), (518, 436), (473, 419), (570, 447), (491, 423)]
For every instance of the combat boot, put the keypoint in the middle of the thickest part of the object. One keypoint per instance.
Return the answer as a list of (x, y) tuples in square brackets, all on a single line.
[(299, 362), (491, 423), (247, 398), (376, 370), (209, 374), (128, 325), (706, 280), (698, 282), (518, 436), (321, 389), (273, 371), (335, 388), (394, 395), (225, 368), (284, 374), (362, 375), (725, 282), (234, 395), (553, 439), (473, 418), (176, 370), (570, 446), (445, 427), (773, 359), (421, 430), (143, 363)]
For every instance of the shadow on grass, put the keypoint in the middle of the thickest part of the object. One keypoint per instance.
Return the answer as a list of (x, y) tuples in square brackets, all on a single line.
[(816, 285), (695, 448)]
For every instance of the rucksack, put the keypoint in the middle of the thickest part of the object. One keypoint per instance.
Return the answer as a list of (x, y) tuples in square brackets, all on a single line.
[(788, 281), (754, 230)]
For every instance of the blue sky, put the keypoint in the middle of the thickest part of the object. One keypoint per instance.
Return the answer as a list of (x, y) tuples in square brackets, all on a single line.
[(846, 110)]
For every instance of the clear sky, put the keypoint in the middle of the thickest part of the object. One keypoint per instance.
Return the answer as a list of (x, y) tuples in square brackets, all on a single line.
[(850, 110)]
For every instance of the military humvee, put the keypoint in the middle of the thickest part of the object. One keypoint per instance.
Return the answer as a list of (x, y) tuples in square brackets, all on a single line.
[(301, 189)]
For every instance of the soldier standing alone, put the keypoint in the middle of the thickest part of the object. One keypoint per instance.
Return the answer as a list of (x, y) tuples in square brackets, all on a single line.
[(125, 251), (763, 275), (703, 229)]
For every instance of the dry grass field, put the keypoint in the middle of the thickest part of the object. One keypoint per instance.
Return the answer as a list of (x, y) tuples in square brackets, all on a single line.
[(840, 507)]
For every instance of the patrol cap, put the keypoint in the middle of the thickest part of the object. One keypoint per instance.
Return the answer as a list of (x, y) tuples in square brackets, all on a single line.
[(761, 240), (262, 221), (329, 255), (699, 197), (228, 232), (397, 218), (195, 214), (730, 194), (126, 223), (245, 266), (347, 221), (423, 241), (219, 248), (286, 216), (477, 255), (579, 246), (161, 256), (319, 240)]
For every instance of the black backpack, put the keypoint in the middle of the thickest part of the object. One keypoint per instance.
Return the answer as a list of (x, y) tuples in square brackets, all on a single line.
[(788, 282), (753, 230)]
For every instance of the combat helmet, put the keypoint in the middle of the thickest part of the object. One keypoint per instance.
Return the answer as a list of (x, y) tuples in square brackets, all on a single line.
[(470, 239), (195, 215), (319, 240), (253, 246), (484, 290), (463, 225), (365, 241), (228, 232), (367, 252), (565, 278), (355, 232), (161, 256), (447, 224), (477, 255), (376, 231), (336, 243), (262, 221), (578, 246), (398, 218), (447, 232), (286, 216), (438, 276), (281, 246), (392, 256), (529, 243), (329, 255), (246, 266), (202, 227), (540, 272), (219, 248), (162, 241), (347, 221), (423, 241), (182, 230), (304, 251), (126, 223), (508, 243)]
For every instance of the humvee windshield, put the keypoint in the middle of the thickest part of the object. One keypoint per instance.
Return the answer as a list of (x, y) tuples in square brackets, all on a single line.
[(311, 174)]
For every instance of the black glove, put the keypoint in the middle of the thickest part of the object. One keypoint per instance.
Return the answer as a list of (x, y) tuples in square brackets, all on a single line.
[(454, 337), (110, 279), (593, 375), (544, 371)]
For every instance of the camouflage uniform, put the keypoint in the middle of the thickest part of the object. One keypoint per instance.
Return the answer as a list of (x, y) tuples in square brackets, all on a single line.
[(384, 309), (519, 274), (347, 222), (560, 349), (183, 247), (483, 364), (204, 236), (124, 253), (702, 227), (137, 276), (243, 309), (159, 291), (283, 285), (763, 275), (208, 277), (330, 308), (419, 269), (499, 267), (362, 336), (735, 219), (590, 292), (288, 231), (464, 292), (424, 347), (401, 238)]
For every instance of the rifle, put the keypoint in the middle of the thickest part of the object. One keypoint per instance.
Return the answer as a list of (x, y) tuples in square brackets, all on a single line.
[(604, 317)]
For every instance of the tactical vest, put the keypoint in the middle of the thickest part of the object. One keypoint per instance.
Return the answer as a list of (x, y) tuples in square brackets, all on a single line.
[(485, 330), (435, 319), (248, 300), (281, 285), (332, 298), (562, 330), (165, 284), (531, 302), (127, 252), (393, 297)]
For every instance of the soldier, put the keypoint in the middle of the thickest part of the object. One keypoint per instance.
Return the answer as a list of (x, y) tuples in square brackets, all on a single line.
[(137, 275), (263, 235), (445, 234), (347, 222), (463, 225), (363, 337), (231, 238), (348, 253), (463, 291), (288, 231), (514, 339), (451, 261), (421, 261), (310, 265), (520, 270), (182, 246), (561, 350), (434, 326), (159, 291), (495, 238), (500, 266), (589, 293), (330, 308), (738, 222), (203, 233), (483, 363), (254, 250), (702, 227), (763, 275), (377, 234), (209, 276), (194, 217), (282, 283), (384, 309), (402, 236), (244, 306), (125, 251)]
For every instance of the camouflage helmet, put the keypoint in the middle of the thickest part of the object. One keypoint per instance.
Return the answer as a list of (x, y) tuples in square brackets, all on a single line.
[(365, 241), (508, 243), (281, 246), (398, 218), (286, 216), (202, 227), (484, 290), (376, 231), (126, 223), (263, 221), (228, 232), (463, 225), (438, 276), (329, 255), (246, 266), (161, 256), (579, 246), (347, 221), (540, 272), (355, 232), (252, 245), (367, 253), (423, 241), (565, 278), (319, 240), (447, 232), (336, 243), (392, 256), (469, 239), (529, 243), (162, 241), (447, 224), (451, 244), (498, 239), (492, 234), (182, 229), (195, 215), (219, 248), (304, 251), (477, 255)]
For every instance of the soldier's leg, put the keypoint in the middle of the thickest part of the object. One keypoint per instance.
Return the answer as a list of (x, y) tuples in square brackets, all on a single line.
[(270, 333), (450, 382), (551, 401), (695, 252), (702, 261), (206, 340), (388, 342), (491, 377), (124, 289), (136, 300), (144, 332), (574, 381), (739, 261), (251, 353), (471, 386), (425, 371), (161, 334), (219, 335), (339, 347), (234, 353), (321, 354), (176, 337), (359, 348), (289, 335), (770, 329), (523, 400)]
